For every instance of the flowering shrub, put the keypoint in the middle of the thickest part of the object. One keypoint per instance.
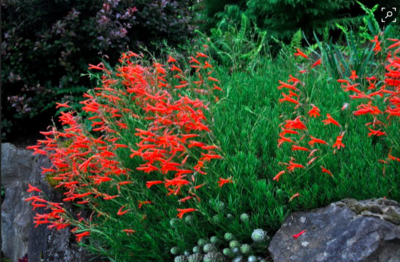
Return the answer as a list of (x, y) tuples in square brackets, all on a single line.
[(380, 102), (145, 120), (158, 130)]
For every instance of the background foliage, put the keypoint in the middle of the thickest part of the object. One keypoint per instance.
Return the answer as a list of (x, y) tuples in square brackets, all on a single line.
[(48, 44)]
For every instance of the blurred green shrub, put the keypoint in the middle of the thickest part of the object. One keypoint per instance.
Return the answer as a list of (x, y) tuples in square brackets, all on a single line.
[(208, 9), (283, 18), (47, 44), (236, 45)]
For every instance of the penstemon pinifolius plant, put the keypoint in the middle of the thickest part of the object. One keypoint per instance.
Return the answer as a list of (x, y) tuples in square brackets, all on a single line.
[(150, 137), (366, 124), (245, 123)]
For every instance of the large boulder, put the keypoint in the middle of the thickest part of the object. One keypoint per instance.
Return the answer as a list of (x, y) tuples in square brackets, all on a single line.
[(19, 167), (345, 231)]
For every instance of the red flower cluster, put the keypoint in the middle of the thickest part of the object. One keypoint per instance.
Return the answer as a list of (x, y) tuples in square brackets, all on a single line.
[(133, 92), (389, 91)]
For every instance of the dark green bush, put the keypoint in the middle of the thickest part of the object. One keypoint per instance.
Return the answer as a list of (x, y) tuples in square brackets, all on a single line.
[(210, 8), (48, 44), (284, 18)]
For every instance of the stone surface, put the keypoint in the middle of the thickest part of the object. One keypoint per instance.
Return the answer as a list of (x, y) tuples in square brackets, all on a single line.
[(18, 168), (17, 165), (345, 231), (15, 222), (18, 233)]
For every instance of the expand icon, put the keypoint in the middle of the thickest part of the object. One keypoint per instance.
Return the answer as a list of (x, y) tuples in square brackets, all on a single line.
[(389, 13)]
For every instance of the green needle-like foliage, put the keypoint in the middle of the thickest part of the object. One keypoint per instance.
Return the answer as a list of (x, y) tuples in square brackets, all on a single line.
[(246, 122)]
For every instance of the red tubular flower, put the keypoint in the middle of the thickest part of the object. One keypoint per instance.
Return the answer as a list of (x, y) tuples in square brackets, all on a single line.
[(352, 88), (223, 181), (343, 81), (316, 63), (171, 59), (184, 211), (276, 178), (294, 80), (295, 124), (81, 235), (394, 158), (316, 140), (208, 157), (285, 85), (330, 120), (312, 160), (176, 182), (395, 44), (141, 203), (65, 105), (297, 148), (287, 131), (185, 199), (120, 212), (283, 139), (312, 152), (299, 53), (314, 112), (292, 166), (288, 99), (201, 55), (376, 132), (296, 236), (32, 189), (294, 196), (212, 79), (324, 170), (353, 76), (377, 47), (338, 142), (128, 231), (152, 183)]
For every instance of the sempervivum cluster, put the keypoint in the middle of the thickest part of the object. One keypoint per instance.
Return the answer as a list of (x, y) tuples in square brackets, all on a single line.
[(209, 248), (228, 248), (180, 259), (214, 257), (259, 235), (195, 258)]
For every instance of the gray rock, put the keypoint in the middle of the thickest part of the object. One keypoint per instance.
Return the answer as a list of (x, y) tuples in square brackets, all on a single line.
[(19, 167), (15, 224), (345, 231)]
